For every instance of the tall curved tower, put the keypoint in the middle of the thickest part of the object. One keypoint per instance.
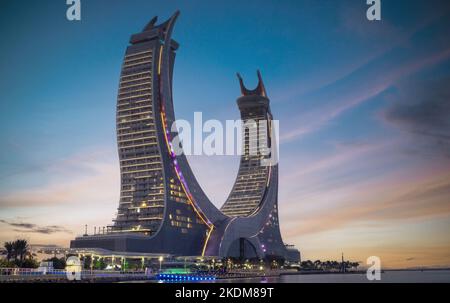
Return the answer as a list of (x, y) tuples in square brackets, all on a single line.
[(162, 208), (252, 226), (253, 177)]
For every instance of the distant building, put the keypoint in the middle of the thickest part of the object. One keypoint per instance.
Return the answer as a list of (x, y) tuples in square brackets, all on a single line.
[(162, 208)]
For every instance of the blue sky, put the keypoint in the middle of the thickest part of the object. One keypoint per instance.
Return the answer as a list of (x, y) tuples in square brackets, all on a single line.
[(363, 109)]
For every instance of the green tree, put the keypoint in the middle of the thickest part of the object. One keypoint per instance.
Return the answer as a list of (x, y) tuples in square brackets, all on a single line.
[(30, 263), (7, 264), (87, 260), (100, 264)]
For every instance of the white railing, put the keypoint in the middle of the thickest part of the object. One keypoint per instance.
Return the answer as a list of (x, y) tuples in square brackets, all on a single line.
[(56, 274)]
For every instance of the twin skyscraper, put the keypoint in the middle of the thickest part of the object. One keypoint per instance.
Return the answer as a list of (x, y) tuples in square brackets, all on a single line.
[(162, 208)]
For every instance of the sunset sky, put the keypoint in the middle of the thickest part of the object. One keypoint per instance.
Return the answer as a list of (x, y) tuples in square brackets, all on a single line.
[(364, 110)]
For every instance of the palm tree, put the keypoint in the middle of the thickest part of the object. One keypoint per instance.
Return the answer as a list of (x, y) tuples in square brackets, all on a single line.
[(21, 249), (9, 246), (318, 264)]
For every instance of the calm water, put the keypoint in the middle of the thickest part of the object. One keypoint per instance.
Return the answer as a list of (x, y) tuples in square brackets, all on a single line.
[(406, 276), (430, 276)]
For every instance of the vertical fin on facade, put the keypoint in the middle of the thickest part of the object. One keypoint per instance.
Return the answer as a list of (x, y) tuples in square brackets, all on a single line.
[(167, 26), (260, 89)]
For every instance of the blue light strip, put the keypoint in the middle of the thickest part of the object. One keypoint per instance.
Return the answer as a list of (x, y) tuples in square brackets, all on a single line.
[(171, 277)]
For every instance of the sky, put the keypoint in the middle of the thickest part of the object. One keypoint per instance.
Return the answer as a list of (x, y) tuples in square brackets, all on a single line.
[(364, 111)]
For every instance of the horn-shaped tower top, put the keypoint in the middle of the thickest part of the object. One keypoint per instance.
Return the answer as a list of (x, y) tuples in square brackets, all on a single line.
[(260, 90), (152, 31), (151, 25)]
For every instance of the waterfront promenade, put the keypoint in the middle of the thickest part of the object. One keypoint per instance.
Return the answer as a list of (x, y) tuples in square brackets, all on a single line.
[(19, 275)]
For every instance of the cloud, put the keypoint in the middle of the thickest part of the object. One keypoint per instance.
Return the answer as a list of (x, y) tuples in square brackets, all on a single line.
[(21, 225), (380, 201), (34, 228), (80, 178), (346, 152), (368, 82), (423, 109), (347, 97)]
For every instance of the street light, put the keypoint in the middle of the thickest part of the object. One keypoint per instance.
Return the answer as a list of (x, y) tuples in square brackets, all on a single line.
[(160, 262)]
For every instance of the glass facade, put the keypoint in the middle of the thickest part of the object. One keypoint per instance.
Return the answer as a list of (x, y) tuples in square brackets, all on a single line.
[(251, 181), (253, 176), (141, 205), (151, 192)]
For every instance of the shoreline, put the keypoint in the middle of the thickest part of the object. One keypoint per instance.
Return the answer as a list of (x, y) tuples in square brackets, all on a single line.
[(236, 276)]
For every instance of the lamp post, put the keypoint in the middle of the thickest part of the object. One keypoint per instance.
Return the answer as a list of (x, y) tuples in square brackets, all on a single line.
[(160, 262)]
